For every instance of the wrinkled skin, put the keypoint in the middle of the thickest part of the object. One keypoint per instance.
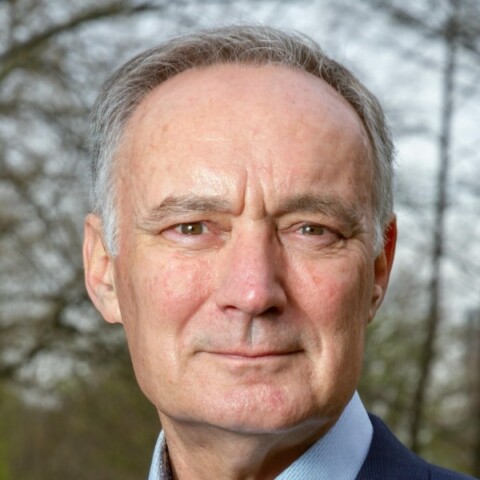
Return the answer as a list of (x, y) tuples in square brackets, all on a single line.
[(246, 274)]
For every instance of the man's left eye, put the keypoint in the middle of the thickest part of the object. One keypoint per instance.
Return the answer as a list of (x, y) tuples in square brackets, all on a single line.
[(194, 228), (310, 229)]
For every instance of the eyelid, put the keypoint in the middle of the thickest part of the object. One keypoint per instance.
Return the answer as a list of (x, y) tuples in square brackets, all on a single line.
[(210, 236), (297, 225), (330, 237)]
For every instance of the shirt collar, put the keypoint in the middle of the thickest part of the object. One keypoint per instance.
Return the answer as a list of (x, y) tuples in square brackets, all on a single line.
[(160, 468), (339, 454)]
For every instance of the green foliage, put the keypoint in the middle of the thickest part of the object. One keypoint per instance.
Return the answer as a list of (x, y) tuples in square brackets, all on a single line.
[(4, 465), (390, 370), (394, 342), (102, 430)]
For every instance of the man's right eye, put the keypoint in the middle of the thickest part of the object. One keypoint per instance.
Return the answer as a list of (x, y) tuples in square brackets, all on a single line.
[(193, 228), (193, 235)]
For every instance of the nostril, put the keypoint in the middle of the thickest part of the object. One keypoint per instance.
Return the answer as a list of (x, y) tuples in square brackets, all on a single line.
[(271, 312)]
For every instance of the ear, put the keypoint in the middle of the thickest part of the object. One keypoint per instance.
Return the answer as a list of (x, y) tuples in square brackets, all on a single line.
[(383, 267), (99, 271)]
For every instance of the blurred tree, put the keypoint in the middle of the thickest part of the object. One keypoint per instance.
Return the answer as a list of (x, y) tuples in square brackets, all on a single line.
[(431, 430), (472, 343), (102, 430), (53, 57), (45, 95), (433, 315)]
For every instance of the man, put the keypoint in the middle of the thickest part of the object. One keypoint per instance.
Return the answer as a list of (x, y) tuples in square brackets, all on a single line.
[(243, 234)]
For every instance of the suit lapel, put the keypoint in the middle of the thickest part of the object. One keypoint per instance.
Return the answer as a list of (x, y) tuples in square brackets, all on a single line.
[(390, 459)]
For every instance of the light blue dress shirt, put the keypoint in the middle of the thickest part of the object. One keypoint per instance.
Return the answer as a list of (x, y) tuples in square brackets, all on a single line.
[(339, 454)]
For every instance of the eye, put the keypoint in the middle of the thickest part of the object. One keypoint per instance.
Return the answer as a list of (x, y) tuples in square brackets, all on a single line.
[(193, 228), (313, 236), (312, 229), (195, 235)]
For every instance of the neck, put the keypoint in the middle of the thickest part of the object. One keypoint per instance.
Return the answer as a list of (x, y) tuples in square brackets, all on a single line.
[(204, 452)]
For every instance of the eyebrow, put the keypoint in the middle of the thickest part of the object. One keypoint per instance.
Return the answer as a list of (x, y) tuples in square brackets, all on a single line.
[(177, 205), (324, 204)]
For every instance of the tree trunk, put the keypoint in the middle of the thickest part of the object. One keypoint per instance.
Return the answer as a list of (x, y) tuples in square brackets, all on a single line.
[(434, 311)]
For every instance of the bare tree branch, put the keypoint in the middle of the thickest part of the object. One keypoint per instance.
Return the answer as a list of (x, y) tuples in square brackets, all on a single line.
[(19, 55)]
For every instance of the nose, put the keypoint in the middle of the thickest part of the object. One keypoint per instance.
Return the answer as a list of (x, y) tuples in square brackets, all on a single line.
[(250, 279)]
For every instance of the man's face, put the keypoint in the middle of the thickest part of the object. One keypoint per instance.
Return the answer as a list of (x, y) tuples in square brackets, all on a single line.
[(246, 275)]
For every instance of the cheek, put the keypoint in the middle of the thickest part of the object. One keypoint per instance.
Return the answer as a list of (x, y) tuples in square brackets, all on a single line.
[(335, 303), (161, 297), (337, 293), (158, 296), (172, 289)]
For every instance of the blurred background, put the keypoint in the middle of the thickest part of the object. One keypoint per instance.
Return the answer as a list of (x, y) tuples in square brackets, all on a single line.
[(69, 406)]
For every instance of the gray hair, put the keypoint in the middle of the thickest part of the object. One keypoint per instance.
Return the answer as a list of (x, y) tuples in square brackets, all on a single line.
[(241, 44)]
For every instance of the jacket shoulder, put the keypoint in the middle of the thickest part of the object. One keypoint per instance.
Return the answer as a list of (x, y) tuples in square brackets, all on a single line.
[(439, 473), (389, 458)]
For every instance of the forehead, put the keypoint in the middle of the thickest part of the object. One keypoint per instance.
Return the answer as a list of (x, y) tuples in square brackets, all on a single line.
[(269, 122), (237, 88)]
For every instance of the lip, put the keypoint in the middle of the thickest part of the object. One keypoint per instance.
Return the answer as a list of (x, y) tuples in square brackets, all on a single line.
[(248, 355)]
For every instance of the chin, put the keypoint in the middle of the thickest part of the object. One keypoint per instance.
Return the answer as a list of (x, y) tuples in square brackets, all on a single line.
[(264, 411)]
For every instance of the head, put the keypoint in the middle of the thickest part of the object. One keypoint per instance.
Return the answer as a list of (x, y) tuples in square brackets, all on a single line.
[(250, 45), (242, 229)]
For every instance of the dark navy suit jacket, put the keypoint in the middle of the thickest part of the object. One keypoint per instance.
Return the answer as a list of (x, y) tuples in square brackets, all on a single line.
[(388, 459)]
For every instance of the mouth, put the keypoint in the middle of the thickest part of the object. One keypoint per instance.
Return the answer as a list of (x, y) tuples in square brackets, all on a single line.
[(252, 365), (254, 355)]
